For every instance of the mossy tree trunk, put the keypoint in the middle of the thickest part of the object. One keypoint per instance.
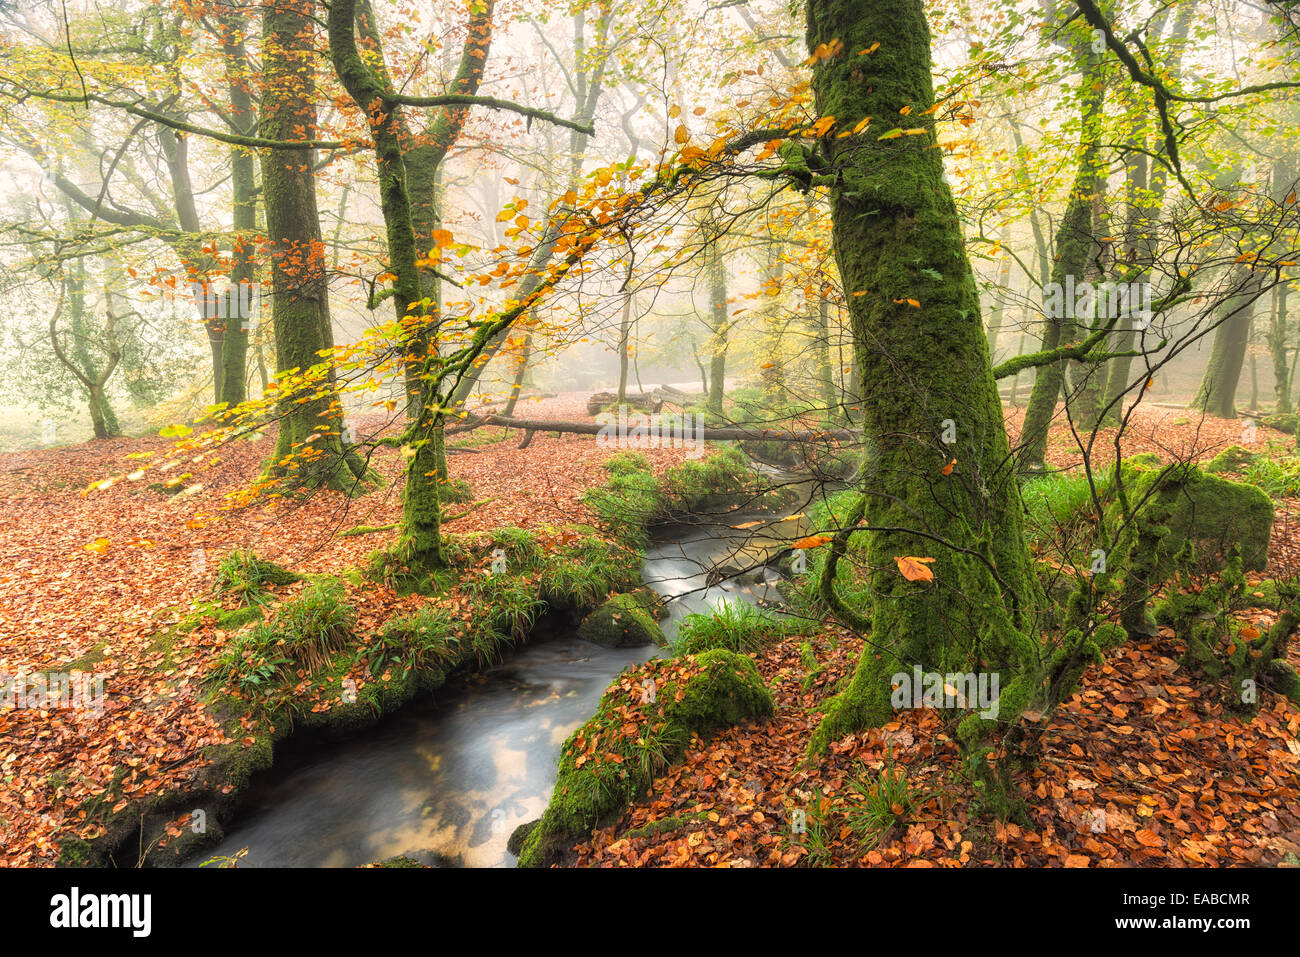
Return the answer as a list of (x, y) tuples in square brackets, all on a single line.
[(304, 452), (1217, 394), (1147, 184), (1088, 379), (243, 184), (896, 237), (821, 323), (1074, 248), (420, 545), (717, 279), (1277, 336)]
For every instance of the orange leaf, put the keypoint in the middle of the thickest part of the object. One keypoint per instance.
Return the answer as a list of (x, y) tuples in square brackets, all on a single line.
[(914, 569), (811, 541), (947, 469)]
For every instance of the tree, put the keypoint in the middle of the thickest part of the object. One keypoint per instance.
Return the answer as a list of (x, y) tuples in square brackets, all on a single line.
[(309, 446), (923, 361)]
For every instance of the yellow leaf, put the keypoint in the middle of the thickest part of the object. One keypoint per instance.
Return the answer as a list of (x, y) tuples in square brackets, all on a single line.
[(99, 546), (682, 136)]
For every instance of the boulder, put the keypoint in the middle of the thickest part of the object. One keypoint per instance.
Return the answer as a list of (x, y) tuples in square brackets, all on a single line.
[(624, 621)]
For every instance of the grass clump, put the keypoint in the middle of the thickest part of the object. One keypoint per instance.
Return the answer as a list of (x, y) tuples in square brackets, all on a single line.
[(305, 633), (735, 625), (425, 638), (247, 578), (631, 500)]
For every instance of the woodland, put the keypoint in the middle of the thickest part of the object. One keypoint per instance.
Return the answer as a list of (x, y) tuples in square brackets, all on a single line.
[(649, 433)]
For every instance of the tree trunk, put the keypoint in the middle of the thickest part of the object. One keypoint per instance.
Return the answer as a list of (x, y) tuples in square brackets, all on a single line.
[(825, 368), (300, 289), (1146, 194), (998, 308), (1277, 347), (1217, 394), (897, 236), (718, 331), (243, 184), (522, 371), (624, 334), (1073, 249)]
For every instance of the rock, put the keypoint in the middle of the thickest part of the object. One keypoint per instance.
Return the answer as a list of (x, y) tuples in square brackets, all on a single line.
[(624, 621), (515, 843), (693, 694), (1232, 459), (1176, 506), (1212, 512)]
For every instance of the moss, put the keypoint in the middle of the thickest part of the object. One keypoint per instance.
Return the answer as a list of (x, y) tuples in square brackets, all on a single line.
[(1286, 422), (666, 825), (622, 622), (1232, 459), (1210, 512), (519, 836), (399, 861), (613, 758)]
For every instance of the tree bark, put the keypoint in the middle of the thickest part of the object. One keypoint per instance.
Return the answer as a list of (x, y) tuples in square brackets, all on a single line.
[(895, 229), (300, 289)]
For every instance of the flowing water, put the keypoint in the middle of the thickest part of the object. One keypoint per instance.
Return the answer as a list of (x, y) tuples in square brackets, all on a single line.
[(446, 780)]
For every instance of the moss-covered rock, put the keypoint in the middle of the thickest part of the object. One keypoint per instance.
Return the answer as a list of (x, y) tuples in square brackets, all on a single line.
[(622, 622), (1211, 512), (1185, 521), (645, 721), (1232, 459)]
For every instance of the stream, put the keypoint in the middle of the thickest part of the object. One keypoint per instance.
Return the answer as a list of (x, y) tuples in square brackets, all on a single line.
[(446, 780)]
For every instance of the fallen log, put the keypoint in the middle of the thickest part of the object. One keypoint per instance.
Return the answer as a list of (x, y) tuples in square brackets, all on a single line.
[(647, 401), (708, 433)]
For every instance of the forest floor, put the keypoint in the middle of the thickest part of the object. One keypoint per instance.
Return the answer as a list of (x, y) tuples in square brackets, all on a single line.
[(92, 579)]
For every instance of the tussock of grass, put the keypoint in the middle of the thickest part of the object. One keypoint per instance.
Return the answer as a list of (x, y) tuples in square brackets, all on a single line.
[(736, 626), (244, 576)]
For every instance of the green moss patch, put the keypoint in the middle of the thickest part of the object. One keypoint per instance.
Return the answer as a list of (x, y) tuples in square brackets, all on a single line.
[(613, 758), (622, 622)]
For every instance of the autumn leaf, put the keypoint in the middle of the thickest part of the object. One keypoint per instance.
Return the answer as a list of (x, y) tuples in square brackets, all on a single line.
[(811, 541), (915, 569), (99, 546), (947, 469)]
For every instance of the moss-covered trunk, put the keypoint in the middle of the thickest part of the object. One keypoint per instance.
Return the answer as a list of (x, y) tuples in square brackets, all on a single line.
[(304, 453), (1277, 348), (924, 373), (1074, 248), (1217, 394), (718, 328), (243, 184)]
